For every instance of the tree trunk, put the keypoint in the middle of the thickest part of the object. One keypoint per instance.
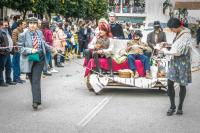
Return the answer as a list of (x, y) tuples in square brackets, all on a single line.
[(24, 14)]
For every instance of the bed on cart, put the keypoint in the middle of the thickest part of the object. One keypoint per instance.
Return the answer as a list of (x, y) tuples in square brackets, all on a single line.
[(122, 74)]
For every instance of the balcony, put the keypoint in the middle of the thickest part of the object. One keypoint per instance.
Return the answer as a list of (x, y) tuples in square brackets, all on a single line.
[(128, 10)]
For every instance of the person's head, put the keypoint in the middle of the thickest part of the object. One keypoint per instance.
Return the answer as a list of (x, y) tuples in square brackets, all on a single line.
[(45, 24), (112, 17), (174, 24), (102, 20), (7, 19), (21, 24), (131, 29), (5, 24), (156, 25), (138, 35), (15, 18), (32, 23), (104, 30), (60, 25)]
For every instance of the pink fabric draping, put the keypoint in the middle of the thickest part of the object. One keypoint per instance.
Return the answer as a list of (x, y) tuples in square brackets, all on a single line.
[(104, 65)]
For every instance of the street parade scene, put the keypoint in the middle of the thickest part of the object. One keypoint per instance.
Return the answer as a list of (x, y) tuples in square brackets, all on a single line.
[(93, 66)]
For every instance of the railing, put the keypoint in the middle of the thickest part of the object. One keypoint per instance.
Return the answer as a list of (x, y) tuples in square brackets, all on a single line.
[(127, 9)]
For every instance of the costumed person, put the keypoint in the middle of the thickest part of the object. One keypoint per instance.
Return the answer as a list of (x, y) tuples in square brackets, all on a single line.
[(179, 70), (156, 36), (135, 49), (33, 51), (116, 29), (101, 46)]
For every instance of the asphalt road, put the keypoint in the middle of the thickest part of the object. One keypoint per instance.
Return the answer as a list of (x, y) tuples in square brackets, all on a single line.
[(68, 107)]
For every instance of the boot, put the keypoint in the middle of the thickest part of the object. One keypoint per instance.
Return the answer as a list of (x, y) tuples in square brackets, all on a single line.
[(148, 75), (96, 61), (110, 66)]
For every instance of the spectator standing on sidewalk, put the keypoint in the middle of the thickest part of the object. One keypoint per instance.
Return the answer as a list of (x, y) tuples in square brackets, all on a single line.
[(5, 60), (21, 24), (198, 36), (48, 36), (32, 44)]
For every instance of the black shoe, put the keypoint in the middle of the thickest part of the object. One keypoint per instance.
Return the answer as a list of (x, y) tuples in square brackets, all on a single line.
[(18, 81), (171, 111), (179, 112), (35, 106), (23, 81), (59, 65), (11, 83), (3, 84)]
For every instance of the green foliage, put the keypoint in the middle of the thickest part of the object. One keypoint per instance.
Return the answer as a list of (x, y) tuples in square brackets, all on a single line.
[(96, 9), (166, 4), (182, 12), (88, 9)]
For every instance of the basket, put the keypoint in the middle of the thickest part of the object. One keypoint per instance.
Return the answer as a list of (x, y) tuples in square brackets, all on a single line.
[(126, 73)]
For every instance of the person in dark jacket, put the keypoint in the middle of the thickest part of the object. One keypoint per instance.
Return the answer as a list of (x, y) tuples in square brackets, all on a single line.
[(83, 37), (156, 36), (198, 36), (116, 28), (5, 48)]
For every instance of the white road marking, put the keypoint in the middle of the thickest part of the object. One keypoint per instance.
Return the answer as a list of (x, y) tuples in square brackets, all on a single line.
[(94, 112)]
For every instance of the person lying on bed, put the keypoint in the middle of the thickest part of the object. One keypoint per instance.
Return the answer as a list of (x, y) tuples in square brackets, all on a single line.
[(101, 46), (135, 49)]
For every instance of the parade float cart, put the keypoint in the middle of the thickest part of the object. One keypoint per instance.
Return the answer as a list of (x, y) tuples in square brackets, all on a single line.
[(123, 78)]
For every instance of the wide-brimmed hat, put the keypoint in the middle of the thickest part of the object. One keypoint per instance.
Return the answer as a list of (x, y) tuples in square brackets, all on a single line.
[(32, 20), (156, 23)]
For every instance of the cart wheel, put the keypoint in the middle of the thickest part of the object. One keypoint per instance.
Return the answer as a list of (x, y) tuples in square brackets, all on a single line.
[(98, 93), (88, 83)]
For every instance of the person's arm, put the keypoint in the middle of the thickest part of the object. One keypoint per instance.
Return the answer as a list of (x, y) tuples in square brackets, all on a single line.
[(180, 47), (173, 52), (151, 45), (92, 43), (14, 37), (21, 43)]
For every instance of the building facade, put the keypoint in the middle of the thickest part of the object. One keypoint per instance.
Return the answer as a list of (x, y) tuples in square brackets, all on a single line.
[(137, 11)]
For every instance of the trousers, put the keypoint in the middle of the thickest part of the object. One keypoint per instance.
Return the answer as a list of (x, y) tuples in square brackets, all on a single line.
[(5, 63), (35, 80), (143, 58)]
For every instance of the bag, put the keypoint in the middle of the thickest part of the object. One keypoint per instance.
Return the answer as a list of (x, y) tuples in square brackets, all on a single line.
[(34, 57)]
